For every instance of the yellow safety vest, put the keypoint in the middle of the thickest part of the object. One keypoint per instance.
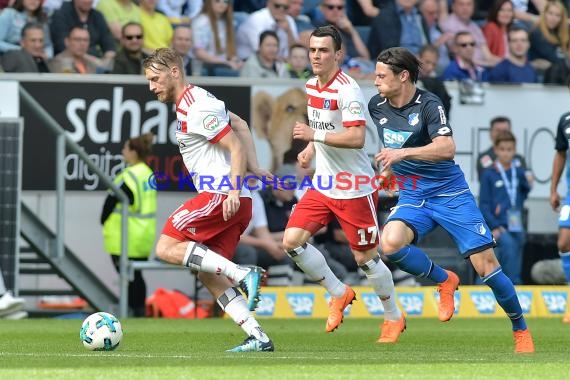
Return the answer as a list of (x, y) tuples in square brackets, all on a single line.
[(142, 214)]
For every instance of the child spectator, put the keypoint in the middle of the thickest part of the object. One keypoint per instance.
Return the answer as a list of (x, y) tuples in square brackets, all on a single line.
[(298, 62), (504, 188)]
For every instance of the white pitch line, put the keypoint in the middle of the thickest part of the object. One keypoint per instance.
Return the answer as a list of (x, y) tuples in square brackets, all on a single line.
[(267, 355)]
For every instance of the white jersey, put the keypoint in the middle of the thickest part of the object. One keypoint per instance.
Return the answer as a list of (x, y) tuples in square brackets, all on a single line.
[(338, 105), (203, 121)]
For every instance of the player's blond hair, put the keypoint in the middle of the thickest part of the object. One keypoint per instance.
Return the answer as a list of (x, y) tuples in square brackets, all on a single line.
[(163, 59)]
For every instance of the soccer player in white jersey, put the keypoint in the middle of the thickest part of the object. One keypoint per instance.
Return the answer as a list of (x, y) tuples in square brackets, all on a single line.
[(336, 132), (202, 234)]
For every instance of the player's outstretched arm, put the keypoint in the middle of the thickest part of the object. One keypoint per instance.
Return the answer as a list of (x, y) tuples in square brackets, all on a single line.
[(237, 171), (240, 127), (557, 168)]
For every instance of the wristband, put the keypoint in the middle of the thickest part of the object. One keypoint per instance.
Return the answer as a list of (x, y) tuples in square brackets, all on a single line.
[(319, 136)]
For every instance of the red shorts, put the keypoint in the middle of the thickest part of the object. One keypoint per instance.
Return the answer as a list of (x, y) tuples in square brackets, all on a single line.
[(356, 216), (200, 219)]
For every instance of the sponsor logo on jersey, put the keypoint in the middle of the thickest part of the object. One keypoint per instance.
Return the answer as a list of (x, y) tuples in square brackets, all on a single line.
[(211, 122), (355, 108), (484, 302), (413, 303), (413, 119), (456, 301), (327, 104), (395, 139), (372, 303), (525, 299), (555, 301), (301, 303), (266, 305), (443, 130), (383, 121)]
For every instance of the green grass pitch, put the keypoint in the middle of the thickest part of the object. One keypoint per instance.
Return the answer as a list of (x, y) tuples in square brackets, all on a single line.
[(186, 349)]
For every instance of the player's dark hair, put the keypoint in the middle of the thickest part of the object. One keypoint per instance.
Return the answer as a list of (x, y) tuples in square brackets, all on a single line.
[(163, 59), (142, 145), (400, 59), (505, 136), (500, 119), (329, 31)]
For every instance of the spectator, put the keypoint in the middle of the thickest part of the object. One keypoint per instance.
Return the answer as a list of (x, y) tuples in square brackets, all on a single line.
[(297, 65), (75, 59), (131, 56), (334, 14), (81, 12), (265, 63), (503, 191), (527, 11), (559, 72), (399, 24), (499, 19), (515, 68), (118, 13), (31, 58), (362, 12), (303, 22), (182, 44), (463, 67), (486, 159), (429, 57), (213, 40), (157, 28), (13, 19), (431, 11), (180, 12), (459, 21), (549, 38), (274, 17)]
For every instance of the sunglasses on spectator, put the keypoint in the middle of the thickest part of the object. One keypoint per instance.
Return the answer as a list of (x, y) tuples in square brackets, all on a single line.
[(281, 6), (134, 36), (465, 44), (330, 7)]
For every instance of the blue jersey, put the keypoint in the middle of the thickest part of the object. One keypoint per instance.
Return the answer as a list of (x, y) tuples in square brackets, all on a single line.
[(562, 139), (415, 125)]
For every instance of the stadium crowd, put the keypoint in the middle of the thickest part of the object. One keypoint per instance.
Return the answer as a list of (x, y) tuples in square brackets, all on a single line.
[(501, 41)]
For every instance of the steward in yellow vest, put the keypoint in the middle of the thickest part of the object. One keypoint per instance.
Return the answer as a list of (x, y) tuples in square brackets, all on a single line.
[(133, 180)]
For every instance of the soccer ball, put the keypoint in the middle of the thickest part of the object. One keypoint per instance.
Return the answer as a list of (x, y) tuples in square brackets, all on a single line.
[(101, 332)]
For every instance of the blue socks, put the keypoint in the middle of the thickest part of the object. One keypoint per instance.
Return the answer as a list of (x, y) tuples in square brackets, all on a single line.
[(565, 258), (413, 260), (506, 296)]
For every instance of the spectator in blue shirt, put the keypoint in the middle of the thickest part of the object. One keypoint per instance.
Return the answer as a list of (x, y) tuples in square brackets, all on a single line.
[(516, 67), (463, 67), (504, 188)]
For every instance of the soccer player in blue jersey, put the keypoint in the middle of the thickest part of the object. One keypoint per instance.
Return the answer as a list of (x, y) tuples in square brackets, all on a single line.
[(418, 146), (560, 160)]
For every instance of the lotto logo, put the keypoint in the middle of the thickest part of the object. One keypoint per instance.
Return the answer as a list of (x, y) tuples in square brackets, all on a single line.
[(413, 303), (373, 304), (346, 310), (484, 302), (525, 299), (456, 301), (266, 305), (555, 301), (301, 303)]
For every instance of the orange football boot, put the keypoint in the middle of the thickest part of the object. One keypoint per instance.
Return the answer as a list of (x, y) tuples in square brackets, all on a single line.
[(446, 302), (336, 308)]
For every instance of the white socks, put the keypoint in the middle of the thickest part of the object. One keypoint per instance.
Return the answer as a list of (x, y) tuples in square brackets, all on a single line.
[(233, 303), (313, 263), (201, 259), (381, 280)]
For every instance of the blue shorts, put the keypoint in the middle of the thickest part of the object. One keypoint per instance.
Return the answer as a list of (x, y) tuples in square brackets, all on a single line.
[(458, 215), (564, 216)]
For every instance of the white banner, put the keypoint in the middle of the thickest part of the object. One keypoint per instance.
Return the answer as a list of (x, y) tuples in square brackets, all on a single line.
[(10, 104)]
